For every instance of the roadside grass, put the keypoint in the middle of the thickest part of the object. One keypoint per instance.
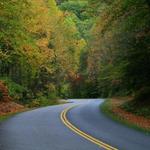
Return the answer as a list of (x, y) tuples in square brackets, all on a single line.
[(2, 118), (43, 102), (7, 116), (106, 108)]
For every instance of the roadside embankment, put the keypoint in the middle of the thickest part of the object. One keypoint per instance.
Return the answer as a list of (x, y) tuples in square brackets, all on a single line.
[(115, 110)]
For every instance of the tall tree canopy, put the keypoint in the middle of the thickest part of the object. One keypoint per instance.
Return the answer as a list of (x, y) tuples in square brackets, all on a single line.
[(75, 48)]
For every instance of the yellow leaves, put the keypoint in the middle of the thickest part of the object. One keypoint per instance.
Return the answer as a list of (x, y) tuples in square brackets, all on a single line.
[(39, 24), (37, 21), (3, 56), (45, 24), (81, 43), (42, 43), (51, 87), (38, 58), (53, 9)]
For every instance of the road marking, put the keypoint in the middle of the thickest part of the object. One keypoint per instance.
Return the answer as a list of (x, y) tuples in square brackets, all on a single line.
[(88, 137)]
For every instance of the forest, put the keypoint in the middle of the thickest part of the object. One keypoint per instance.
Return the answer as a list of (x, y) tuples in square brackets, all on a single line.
[(75, 49)]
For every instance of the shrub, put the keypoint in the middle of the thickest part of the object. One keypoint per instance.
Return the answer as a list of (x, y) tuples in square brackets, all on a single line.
[(143, 96), (1, 95), (41, 102), (15, 90)]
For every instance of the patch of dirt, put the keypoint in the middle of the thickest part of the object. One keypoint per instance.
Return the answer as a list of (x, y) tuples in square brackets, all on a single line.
[(134, 119), (10, 107)]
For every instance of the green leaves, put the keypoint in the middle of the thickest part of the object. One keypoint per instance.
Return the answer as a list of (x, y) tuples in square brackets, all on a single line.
[(119, 51), (44, 44)]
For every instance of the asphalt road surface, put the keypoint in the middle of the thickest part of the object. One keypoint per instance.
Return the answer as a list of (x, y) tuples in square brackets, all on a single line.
[(43, 129)]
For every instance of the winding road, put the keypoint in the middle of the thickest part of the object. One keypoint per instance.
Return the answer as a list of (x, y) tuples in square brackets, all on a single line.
[(78, 125)]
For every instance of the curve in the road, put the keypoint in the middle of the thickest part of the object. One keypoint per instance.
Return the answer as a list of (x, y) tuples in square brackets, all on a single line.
[(94, 140)]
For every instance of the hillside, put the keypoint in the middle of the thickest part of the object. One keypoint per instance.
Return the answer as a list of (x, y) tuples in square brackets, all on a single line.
[(75, 49)]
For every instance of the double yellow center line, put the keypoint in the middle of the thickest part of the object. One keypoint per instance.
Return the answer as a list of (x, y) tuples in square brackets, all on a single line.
[(81, 133)]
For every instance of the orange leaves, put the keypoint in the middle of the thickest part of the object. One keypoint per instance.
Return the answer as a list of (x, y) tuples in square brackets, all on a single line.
[(42, 43), (4, 93)]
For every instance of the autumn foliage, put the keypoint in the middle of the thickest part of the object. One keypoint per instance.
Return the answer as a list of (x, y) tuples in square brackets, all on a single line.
[(4, 93), (74, 48)]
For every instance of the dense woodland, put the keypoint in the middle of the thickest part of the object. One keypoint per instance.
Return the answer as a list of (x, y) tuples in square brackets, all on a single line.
[(75, 49)]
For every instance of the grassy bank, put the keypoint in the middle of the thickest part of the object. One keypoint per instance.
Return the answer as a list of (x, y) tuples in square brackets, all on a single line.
[(2, 118), (108, 109), (7, 116), (31, 106)]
